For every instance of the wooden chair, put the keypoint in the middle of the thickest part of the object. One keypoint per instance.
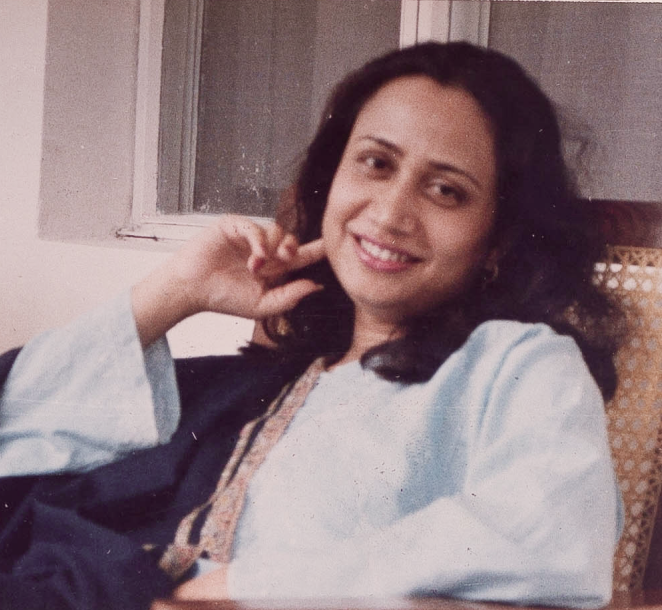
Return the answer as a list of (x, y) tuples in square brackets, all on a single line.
[(633, 273)]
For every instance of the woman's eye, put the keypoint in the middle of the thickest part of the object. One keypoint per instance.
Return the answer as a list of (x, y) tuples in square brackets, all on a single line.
[(374, 162), (447, 194)]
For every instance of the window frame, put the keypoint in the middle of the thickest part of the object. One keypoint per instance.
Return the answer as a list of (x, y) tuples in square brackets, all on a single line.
[(420, 21), (145, 221)]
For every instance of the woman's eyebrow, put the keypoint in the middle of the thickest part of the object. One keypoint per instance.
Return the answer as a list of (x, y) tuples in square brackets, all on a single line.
[(385, 143), (437, 165)]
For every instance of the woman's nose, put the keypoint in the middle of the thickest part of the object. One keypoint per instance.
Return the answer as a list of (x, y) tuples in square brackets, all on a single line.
[(393, 209)]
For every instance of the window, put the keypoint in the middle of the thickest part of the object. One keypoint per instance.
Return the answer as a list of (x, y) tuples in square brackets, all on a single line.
[(236, 93), (100, 149), (263, 73)]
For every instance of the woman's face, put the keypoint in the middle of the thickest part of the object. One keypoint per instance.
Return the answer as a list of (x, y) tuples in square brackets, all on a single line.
[(412, 204)]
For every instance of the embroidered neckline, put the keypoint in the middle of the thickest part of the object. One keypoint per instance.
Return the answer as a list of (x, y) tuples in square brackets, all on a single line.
[(222, 510)]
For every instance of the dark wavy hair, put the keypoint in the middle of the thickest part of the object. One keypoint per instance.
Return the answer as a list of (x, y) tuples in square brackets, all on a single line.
[(546, 241)]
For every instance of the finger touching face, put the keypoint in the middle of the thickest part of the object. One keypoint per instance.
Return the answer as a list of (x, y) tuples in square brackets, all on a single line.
[(310, 253)]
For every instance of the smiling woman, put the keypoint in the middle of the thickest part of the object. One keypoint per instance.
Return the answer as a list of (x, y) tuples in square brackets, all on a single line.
[(538, 258), (410, 212), (428, 420)]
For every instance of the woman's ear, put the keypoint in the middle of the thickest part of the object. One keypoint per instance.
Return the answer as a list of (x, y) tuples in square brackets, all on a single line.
[(501, 244), (491, 266)]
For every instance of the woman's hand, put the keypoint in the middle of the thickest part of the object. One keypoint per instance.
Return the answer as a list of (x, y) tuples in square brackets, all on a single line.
[(212, 585), (234, 268), (209, 586)]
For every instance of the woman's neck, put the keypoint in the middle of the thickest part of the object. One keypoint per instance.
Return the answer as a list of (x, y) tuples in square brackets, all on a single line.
[(369, 331)]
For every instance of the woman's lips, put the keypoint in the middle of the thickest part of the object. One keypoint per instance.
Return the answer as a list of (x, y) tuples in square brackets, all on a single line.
[(381, 258)]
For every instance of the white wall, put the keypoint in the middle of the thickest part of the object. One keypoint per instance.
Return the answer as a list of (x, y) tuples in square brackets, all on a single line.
[(47, 283), (600, 63)]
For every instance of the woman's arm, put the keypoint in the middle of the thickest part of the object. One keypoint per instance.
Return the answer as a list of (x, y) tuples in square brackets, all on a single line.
[(103, 386), (85, 395)]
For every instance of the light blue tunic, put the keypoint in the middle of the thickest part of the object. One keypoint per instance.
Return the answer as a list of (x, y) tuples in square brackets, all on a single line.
[(492, 481), (84, 395)]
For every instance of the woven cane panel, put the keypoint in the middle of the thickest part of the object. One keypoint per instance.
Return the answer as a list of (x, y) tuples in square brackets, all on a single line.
[(634, 275)]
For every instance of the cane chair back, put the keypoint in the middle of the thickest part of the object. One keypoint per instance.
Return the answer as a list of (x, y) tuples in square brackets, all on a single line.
[(633, 274)]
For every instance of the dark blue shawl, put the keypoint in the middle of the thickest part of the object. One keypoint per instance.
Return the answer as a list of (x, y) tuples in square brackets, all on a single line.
[(76, 541)]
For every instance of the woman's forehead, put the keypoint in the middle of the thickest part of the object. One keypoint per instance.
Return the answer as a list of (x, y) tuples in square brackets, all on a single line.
[(417, 115), (406, 95)]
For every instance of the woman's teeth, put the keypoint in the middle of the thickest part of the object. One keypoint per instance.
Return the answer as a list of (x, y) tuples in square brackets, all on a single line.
[(382, 253)]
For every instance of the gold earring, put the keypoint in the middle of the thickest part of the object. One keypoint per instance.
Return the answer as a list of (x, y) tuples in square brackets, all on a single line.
[(490, 274)]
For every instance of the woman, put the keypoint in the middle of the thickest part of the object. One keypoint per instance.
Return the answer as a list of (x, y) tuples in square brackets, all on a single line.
[(429, 419)]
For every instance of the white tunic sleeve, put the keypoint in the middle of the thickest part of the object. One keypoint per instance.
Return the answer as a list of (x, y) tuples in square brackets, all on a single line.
[(86, 395), (491, 482)]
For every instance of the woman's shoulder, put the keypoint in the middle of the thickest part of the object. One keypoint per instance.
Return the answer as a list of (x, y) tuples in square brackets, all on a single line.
[(507, 335), (520, 350), (508, 370)]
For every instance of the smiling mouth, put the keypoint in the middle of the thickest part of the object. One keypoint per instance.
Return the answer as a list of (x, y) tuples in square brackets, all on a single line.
[(384, 254), (381, 258)]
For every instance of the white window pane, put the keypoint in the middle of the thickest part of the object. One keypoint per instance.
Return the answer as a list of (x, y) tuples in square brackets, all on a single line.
[(265, 70)]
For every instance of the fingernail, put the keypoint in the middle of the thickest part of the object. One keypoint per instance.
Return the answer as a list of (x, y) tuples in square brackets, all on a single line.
[(285, 252)]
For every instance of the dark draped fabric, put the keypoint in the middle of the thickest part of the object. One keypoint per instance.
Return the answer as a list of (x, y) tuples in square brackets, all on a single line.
[(77, 541)]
